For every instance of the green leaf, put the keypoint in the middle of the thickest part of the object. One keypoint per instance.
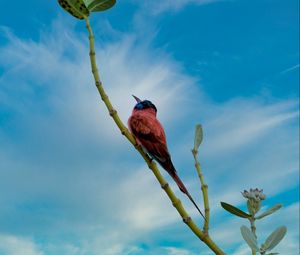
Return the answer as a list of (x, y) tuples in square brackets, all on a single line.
[(249, 238), (76, 8), (198, 137), (273, 253), (99, 5), (274, 238), (269, 211), (236, 211)]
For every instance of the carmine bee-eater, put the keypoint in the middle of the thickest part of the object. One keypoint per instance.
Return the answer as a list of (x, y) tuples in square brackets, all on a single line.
[(150, 134)]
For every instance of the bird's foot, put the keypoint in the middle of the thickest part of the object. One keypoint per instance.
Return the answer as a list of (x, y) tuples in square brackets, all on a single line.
[(138, 146)]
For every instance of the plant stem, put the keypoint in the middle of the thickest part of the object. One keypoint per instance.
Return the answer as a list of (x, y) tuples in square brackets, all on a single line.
[(204, 189), (253, 229), (151, 164)]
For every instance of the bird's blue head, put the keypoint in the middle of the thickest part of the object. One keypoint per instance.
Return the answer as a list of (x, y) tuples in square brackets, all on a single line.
[(145, 104)]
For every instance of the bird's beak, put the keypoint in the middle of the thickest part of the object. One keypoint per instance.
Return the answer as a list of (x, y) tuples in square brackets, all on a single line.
[(137, 99)]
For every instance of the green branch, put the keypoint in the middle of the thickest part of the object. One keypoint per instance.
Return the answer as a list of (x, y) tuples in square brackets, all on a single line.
[(151, 164), (204, 189)]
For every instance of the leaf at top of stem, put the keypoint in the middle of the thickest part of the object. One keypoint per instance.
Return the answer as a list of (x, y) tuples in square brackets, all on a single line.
[(198, 137), (274, 239), (76, 8), (81, 9), (249, 238), (269, 211), (236, 211), (99, 5)]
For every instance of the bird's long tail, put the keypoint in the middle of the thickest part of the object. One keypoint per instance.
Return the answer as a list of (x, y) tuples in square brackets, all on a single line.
[(169, 167), (185, 191)]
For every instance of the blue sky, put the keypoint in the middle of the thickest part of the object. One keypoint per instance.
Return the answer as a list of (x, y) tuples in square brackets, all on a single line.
[(71, 185)]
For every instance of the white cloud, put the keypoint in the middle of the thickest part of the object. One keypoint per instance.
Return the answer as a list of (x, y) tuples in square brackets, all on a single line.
[(242, 250), (177, 251), (145, 207), (235, 127), (295, 67), (12, 245), (175, 5)]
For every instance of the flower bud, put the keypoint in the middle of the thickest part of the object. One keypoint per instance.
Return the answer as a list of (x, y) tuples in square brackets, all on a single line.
[(254, 198)]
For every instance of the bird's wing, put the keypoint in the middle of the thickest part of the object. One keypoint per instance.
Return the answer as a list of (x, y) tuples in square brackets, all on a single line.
[(151, 135)]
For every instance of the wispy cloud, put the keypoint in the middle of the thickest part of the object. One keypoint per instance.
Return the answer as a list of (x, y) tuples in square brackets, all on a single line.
[(246, 124), (13, 245), (290, 69), (177, 251), (169, 5)]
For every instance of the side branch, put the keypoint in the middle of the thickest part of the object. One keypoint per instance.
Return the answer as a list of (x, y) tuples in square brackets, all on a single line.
[(204, 189), (151, 164)]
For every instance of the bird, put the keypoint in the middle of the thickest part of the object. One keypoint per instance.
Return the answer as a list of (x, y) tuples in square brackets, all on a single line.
[(150, 135)]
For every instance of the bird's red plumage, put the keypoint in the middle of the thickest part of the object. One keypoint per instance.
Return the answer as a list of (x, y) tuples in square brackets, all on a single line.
[(150, 134)]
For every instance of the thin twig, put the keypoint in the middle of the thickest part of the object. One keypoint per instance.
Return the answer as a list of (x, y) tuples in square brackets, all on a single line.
[(204, 189), (151, 164)]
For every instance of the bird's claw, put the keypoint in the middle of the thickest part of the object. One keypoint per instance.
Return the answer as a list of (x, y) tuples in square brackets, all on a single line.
[(138, 146)]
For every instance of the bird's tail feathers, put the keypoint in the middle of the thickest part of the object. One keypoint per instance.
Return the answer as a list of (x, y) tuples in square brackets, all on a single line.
[(185, 191), (168, 165)]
